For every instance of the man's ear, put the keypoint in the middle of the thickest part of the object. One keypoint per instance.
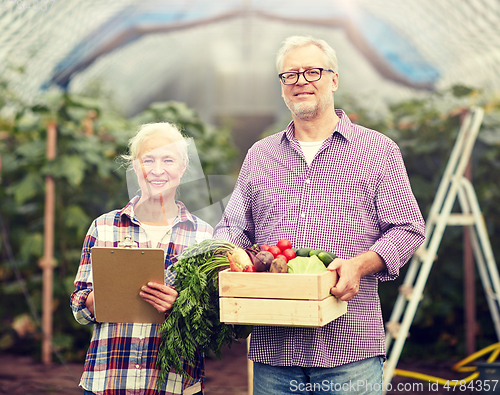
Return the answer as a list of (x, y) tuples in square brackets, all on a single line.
[(335, 80)]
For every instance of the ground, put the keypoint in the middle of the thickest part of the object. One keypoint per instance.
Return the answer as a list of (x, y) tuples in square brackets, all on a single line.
[(26, 376)]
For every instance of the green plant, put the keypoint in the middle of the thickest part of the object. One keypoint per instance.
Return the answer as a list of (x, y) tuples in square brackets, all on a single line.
[(88, 182)]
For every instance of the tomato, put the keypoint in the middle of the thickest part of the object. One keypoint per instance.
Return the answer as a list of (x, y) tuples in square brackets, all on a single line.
[(274, 250), (250, 268), (289, 253), (284, 244), (282, 257), (264, 247)]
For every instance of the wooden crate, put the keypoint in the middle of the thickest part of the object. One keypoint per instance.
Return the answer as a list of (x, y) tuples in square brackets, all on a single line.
[(281, 299)]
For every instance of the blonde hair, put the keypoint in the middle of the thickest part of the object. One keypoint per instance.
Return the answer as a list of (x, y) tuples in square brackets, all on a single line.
[(165, 129), (295, 42)]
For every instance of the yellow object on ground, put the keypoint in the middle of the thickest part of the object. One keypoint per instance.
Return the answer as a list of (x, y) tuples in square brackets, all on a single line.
[(460, 366)]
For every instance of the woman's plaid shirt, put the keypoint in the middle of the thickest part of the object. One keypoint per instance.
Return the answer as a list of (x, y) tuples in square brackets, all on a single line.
[(122, 356)]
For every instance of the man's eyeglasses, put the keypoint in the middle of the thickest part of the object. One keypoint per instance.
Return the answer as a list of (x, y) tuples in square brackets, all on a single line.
[(310, 75)]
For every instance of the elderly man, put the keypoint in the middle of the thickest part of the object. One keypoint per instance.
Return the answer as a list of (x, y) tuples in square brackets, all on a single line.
[(325, 183)]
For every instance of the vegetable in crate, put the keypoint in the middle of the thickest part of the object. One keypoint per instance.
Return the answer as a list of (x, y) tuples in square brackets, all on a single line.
[(263, 261), (306, 265), (325, 256), (284, 244), (274, 250), (289, 254), (278, 265), (303, 251), (193, 324), (252, 253), (239, 260)]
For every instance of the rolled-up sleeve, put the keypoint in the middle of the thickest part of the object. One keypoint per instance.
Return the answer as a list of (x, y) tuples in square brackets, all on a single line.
[(399, 216), (83, 280)]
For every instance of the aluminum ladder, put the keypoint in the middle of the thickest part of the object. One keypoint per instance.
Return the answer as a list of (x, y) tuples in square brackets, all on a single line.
[(453, 185)]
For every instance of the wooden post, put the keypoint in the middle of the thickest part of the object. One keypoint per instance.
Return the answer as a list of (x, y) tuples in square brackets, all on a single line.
[(249, 369), (47, 262)]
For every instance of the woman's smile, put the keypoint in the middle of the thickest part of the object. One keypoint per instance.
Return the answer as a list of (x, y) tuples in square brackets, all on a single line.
[(159, 167)]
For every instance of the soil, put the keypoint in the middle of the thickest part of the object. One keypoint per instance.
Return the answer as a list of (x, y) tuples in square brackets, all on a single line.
[(229, 376), (25, 375)]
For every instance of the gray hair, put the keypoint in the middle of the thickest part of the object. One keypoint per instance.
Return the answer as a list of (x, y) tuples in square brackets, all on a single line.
[(151, 129), (295, 42)]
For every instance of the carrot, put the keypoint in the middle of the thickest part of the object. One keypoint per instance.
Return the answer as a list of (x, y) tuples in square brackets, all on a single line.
[(241, 258), (232, 265)]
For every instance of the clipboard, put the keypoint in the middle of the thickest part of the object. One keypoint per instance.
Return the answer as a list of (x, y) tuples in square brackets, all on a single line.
[(118, 275)]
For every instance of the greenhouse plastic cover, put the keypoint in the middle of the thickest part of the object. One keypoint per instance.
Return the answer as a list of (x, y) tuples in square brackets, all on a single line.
[(219, 55)]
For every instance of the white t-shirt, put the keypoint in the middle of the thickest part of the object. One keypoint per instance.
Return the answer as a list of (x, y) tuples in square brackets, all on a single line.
[(157, 234), (310, 148)]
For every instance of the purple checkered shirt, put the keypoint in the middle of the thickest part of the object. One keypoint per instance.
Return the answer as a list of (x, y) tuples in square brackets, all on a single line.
[(354, 197)]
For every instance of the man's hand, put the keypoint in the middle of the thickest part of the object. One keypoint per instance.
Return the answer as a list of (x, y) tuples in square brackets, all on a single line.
[(347, 286), (350, 272), (160, 296)]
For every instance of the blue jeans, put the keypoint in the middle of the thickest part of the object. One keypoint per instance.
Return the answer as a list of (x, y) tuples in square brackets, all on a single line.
[(356, 378)]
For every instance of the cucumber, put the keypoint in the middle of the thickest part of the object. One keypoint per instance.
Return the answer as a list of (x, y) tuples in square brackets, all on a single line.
[(314, 252), (326, 257), (303, 251)]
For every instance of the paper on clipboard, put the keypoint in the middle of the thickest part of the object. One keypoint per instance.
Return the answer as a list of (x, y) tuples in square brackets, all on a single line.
[(118, 275)]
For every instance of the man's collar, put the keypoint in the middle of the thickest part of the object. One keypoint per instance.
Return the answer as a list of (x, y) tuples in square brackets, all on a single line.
[(344, 127)]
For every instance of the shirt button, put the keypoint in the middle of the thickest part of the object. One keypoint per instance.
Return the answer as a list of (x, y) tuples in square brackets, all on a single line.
[(302, 215), (137, 366), (308, 181)]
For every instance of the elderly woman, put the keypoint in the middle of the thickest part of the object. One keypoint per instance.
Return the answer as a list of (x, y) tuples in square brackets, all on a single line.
[(122, 356)]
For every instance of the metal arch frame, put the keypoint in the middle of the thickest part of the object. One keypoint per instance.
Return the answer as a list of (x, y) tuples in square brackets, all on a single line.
[(452, 186)]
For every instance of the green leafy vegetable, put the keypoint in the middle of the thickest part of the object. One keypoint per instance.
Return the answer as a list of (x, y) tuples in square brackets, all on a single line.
[(193, 323), (306, 265)]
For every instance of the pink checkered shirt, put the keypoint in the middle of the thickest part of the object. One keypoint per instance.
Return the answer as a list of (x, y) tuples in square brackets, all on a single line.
[(355, 196)]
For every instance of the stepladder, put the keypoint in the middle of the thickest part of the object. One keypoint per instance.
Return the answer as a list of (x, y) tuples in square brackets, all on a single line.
[(454, 187)]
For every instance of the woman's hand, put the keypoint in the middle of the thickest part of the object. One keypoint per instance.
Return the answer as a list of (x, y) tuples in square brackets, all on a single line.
[(160, 296)]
